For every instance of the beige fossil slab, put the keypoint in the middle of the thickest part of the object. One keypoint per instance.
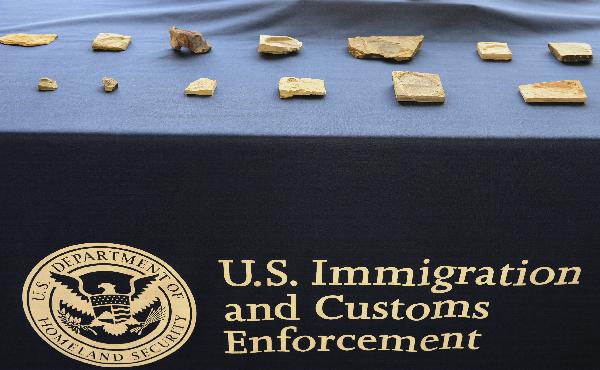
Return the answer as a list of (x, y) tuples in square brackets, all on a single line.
[(398, 48), (189, 39), (295, 86), (110, 84), (111, 42), (571, 52), (566, 91), (202, 87), (28, 39), (494, 51), (418, 87), (47, 84), (278, 44)]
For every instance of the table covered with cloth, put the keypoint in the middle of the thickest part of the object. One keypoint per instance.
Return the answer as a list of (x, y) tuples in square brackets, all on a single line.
[(354, 177)]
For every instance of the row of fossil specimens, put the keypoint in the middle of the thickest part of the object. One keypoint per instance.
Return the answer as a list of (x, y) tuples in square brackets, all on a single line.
[(408, 86)]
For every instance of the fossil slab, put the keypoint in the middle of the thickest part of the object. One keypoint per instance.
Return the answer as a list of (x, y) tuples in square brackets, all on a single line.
[(47, 84), (28, 39), (571, 52), (566, 91), (278, 44), (110, 84), (295, 86), (189, 39), (398, 48), (202, 87), (418, 87), (494, 51), (111, 42)]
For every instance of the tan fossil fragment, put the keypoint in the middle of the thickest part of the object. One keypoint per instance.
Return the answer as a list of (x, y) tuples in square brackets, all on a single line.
[(28, 39), (111, 42), (566, 91), (571, 52), (47, 84), (398, 48), (110, 84), (189, 39), (494, 51), (296, 86), (278, 44), (418, 87), (202, 87)]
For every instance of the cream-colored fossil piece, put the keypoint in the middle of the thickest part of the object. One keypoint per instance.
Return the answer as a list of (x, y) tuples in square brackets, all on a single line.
[(111, 42), (47, 84), (566, 91), (399, 48), (494, 51), (418, 87), (295, 86), (28, 39), (189, 39), (110, 84), (571, 52), (202, 86), (278, 44)]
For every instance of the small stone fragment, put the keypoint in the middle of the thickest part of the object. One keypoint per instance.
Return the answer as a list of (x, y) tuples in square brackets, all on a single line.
[(47, 84), (293, 86), (494, 51), (278, 44), (189, 39), (566, 91), (202, 86), (111, 42), (28, 39), (571, 52), (110, 84), (399, 48), (418, 87)]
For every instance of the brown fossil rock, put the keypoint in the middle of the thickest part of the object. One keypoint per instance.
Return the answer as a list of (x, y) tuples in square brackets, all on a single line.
[(398, 48), (47, 84), (111, 42), (565, 91), (494, 51), (189, 39), (110, 84), (278, 44), (28, 39), (418, 87), (295, 86), (571, 52), (202, 87)]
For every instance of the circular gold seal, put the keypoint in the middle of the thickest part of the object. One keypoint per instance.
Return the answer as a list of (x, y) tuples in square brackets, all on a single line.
[(109, 305)]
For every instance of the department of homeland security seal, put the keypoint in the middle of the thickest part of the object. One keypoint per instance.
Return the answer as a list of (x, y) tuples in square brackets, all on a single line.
[(109, 305)]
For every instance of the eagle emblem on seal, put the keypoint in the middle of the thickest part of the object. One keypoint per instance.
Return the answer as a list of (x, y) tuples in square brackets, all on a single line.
[(114, 311)]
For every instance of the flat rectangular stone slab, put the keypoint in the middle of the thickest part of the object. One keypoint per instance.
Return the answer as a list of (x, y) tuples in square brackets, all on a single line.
[(418, 87), (398, 48), (278, 44), (111, 42), (202, 87), (571, 52), (295, 86), (28, 39), (566, 91), (494, 51)]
